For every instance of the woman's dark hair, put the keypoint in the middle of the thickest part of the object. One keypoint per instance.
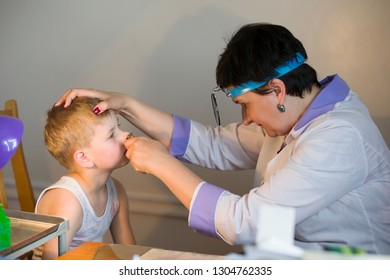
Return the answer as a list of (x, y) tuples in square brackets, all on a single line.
[(253, 53)]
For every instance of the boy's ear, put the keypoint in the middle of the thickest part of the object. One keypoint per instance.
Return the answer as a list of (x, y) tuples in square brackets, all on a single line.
[(82, 159)]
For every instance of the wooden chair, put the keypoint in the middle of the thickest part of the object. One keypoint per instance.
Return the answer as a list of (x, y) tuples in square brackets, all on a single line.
[(22, 179)]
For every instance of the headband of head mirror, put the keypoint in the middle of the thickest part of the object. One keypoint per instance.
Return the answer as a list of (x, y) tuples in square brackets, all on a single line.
[(288, 66)]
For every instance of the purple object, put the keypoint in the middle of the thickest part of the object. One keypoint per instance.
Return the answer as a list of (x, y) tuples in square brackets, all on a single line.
[(11, 131)]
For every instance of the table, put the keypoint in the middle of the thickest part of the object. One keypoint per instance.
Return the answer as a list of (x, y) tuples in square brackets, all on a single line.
[(29, 231), (104, 251)]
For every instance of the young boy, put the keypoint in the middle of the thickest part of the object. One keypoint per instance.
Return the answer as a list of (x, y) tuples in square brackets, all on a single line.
[(90, 147)]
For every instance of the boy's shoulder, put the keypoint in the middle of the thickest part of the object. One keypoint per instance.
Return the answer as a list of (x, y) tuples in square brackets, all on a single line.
[(58, 201)]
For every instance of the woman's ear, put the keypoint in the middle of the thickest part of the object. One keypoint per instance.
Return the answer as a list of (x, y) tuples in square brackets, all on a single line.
[(280, 90), (81, 159)]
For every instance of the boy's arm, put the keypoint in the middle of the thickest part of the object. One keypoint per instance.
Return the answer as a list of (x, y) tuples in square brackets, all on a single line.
[(60, 203), (120, 228)]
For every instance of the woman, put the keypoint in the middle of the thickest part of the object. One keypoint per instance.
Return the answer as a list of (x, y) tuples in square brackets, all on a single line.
[(313, 145)]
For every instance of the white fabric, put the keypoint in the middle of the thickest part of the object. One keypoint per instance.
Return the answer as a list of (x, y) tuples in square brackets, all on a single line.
[(93, 227)]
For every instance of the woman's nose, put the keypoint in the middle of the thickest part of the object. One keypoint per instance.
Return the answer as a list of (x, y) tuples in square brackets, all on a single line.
[(245, 119)]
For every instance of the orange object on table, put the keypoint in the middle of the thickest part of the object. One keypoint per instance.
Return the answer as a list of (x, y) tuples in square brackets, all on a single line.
[(86, 251)]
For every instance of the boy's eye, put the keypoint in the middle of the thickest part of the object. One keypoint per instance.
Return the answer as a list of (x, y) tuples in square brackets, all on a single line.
[(112, 134)]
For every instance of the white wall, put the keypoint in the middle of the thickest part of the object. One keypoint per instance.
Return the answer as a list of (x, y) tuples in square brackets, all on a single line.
[(165, 53)]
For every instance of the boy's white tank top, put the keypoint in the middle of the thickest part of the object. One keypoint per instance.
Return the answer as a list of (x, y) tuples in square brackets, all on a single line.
[(93, 227)]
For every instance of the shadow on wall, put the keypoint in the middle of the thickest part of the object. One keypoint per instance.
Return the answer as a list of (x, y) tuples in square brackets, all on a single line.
[(174, 234)]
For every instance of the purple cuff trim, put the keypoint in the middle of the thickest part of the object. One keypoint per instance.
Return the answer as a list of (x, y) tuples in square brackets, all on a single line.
[(202, 215), (180, 137), (335, 90)]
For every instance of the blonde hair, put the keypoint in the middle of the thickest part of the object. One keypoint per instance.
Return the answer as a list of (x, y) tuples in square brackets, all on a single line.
[(71, 128)]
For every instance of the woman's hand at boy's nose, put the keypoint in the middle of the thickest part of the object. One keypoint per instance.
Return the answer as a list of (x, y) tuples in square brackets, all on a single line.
[(146, 155)]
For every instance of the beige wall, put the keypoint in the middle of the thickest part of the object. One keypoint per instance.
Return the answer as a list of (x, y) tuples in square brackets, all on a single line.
[(165, 53)]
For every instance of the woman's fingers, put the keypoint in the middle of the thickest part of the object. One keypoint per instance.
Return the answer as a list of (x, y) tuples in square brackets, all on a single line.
[(63, 98), (72, 93)]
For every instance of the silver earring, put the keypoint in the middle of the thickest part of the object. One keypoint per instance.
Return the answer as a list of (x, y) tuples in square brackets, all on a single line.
[(281, 108)]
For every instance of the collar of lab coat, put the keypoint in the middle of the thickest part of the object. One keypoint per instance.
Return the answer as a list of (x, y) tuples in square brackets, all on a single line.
[(334, 90)]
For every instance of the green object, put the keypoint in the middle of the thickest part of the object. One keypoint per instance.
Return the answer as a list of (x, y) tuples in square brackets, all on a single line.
[(345, 250), (5, 229)]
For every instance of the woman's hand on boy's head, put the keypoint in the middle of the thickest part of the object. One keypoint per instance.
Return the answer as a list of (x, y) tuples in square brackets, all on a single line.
[(110, 100), (72, 93)]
